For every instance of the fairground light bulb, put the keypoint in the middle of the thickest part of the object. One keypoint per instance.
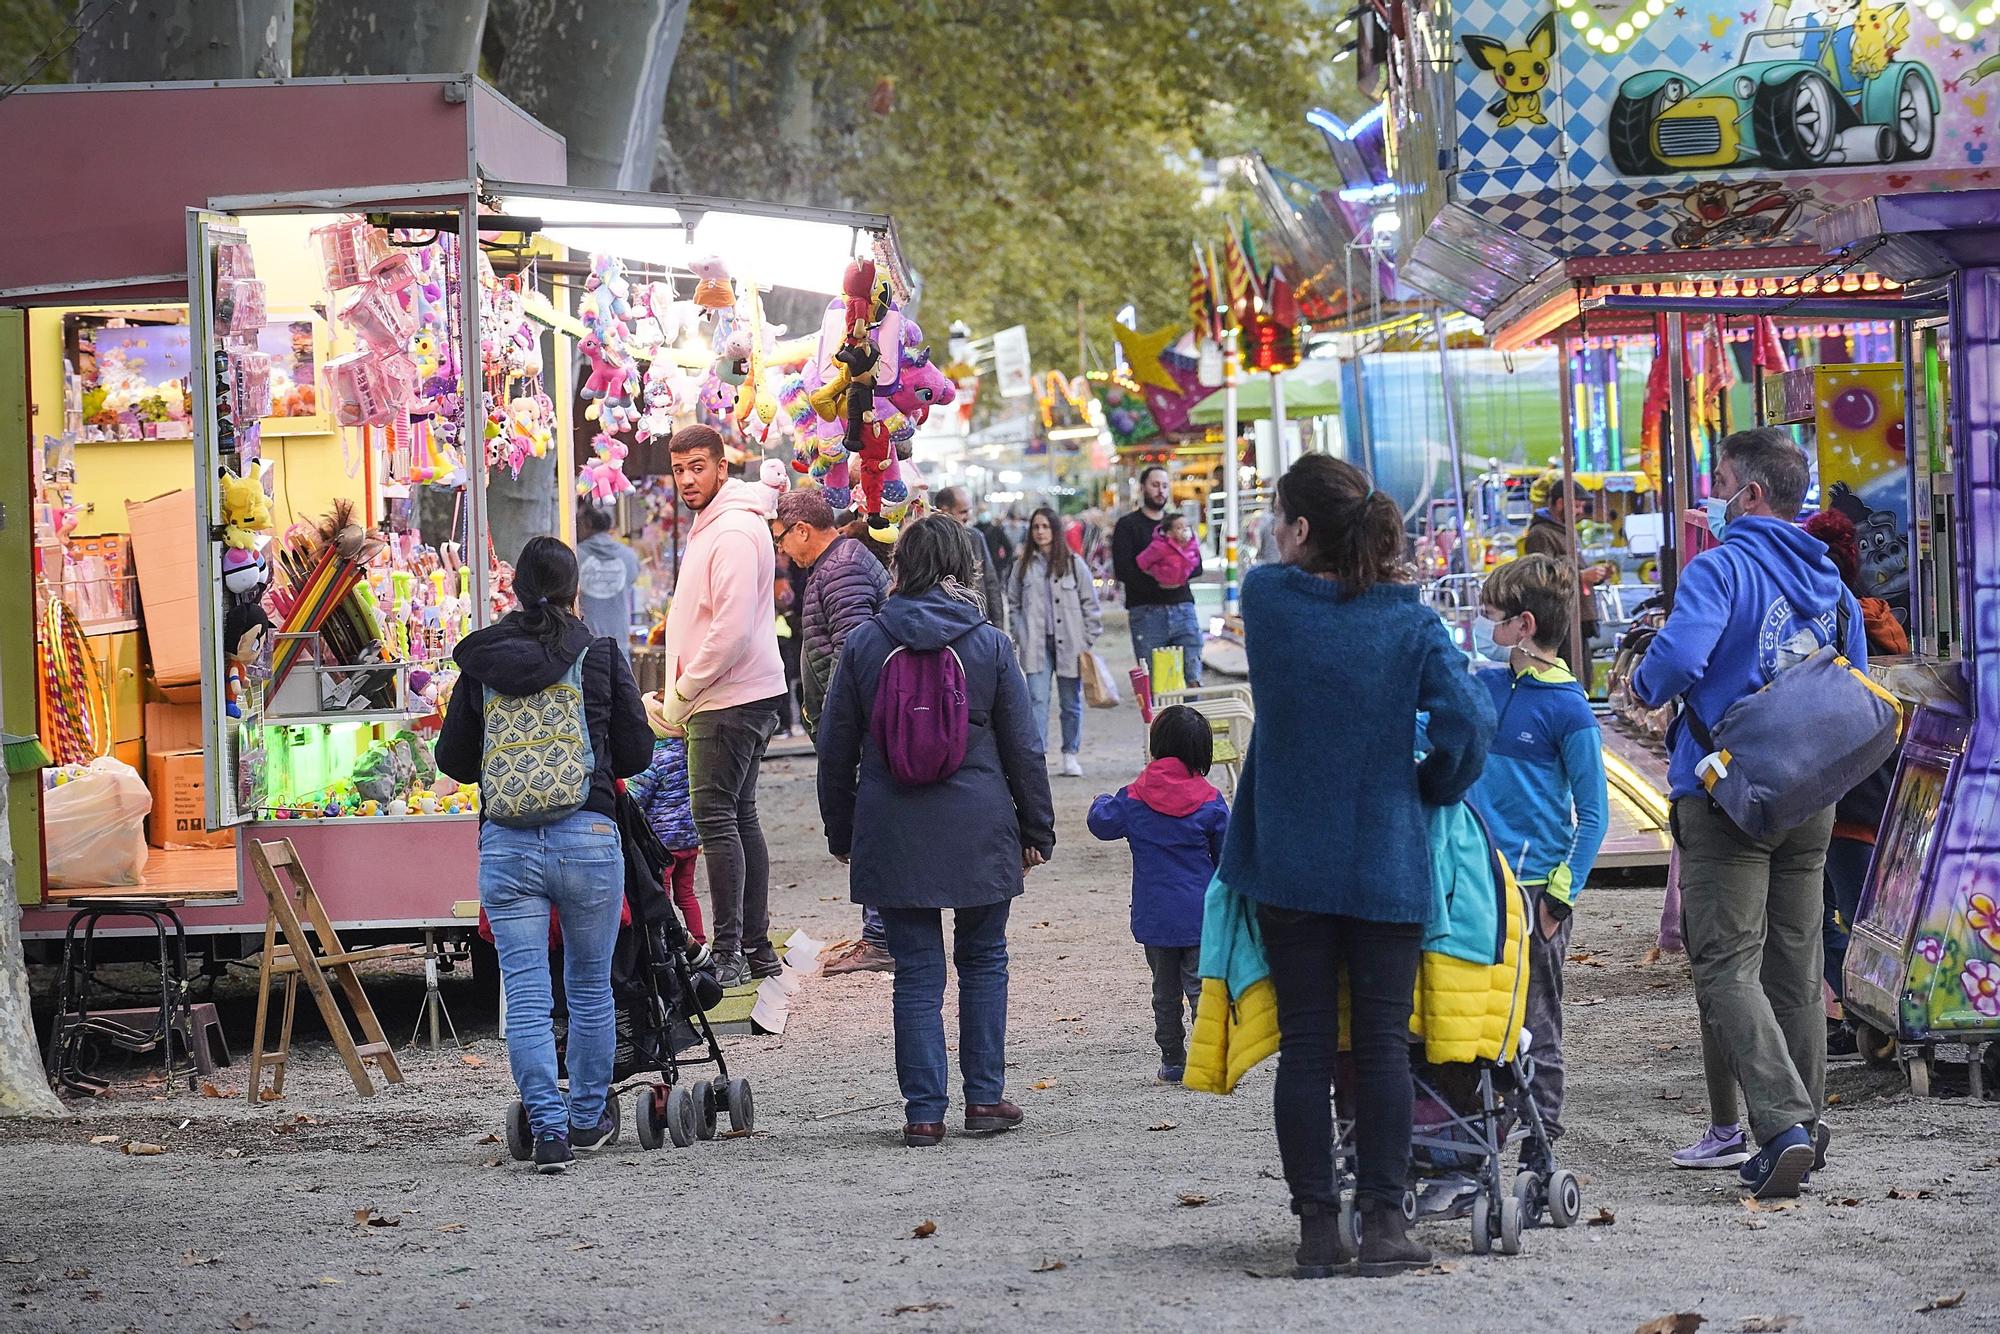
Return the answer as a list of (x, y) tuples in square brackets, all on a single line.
[(1578, 19), (1656, 7), (1624, 32), (1640, 20)]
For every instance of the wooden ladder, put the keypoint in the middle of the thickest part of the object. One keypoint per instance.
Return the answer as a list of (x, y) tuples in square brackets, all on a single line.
[(313, 958)]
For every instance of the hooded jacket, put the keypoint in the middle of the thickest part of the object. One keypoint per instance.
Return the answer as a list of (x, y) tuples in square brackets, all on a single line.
[(606, 571), (845, 589), (954, 844), (1766, 598), (721, 640), (1174, 821), (1542, 791), (506, 658)]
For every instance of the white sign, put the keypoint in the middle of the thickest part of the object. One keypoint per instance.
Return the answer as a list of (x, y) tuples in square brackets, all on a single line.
[(1012, 374)]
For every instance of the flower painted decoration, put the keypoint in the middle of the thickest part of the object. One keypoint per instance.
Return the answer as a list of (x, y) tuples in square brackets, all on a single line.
[(1983, 915), (1981, 981), (1932, 948)]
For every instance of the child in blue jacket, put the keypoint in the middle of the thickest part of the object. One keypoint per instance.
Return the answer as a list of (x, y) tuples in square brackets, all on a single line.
[(662, 793), (1174, 820), (1542, 792)]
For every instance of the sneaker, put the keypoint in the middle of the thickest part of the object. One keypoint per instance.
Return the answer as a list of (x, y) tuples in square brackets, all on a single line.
[(765, 963), (863, 958), (602, 1135), (1822, 1137), (1447, 1197), (1721, 1146), (1779, 1167), (731, 970), (1840, 1039), (552, 1155), (696, 953), (1072, 767), (1170, 1073)]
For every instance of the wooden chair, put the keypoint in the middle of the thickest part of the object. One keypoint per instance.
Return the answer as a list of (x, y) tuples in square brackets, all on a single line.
[(294, 909), (1231, 717)]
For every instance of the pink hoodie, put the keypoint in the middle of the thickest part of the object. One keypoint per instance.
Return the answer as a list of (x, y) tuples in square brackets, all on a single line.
[(1170, 565), (722, 648)]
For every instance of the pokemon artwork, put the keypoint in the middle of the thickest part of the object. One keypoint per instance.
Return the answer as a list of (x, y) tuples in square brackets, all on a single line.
[(1522, 72)]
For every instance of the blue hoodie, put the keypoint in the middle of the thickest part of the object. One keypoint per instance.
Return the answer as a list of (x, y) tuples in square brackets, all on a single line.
[(1542, 791), (1174, 821), (1766, 598)]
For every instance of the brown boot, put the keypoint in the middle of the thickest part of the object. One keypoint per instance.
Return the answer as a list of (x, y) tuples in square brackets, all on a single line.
[(863, 958), (1322, 1242), (925, 1135), (1002, 1115), (1386, 1244)]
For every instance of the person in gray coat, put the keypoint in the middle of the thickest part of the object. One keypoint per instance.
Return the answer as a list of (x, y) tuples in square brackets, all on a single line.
[(963, 843), (1053, 611)]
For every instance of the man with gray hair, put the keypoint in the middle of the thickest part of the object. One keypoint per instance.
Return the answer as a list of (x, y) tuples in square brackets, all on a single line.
[(1767, 597), (955, 503), (844, 590)]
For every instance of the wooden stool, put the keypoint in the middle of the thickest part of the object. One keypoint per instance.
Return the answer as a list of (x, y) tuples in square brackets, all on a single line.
[(313, 958)]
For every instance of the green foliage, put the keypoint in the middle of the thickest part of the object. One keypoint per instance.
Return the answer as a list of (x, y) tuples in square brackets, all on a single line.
[(27, 28)]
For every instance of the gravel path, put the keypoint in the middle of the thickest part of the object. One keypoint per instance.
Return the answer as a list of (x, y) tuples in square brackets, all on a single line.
[(248, 1219)]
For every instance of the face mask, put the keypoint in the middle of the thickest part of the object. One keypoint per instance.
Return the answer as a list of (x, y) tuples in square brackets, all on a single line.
[(1483, 643), (1717, 510)]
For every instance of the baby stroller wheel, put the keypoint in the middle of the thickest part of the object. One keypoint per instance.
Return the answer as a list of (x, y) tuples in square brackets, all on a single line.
[(1350, 1224), (520, 1140), (1409, 1205), (705, 1110), (1482, 1223), (1528, 1191), (681, 1115), (1510, 1224), (1565, 1198), (650, 1117), (742, 1111)]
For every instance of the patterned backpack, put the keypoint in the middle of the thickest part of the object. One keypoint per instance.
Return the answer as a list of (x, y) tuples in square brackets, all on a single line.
[(537, 761)]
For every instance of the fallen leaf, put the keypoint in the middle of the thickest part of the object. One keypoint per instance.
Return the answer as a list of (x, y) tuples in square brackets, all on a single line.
[(490, 1162), (489, 1139), (1680, 1322), (1603, 1217), (1943, 1303), (1651, 957), (927, 1228), (142, 1150), (1040, 926), (265, 1095), (1049, 1265), (369, 1218), (328, 1281), (465, 1305), (75, 1274), (246, 1321), (921, 1308), (1164, 1125), (474, 1061), (1845, 1202), (1668, 1046), (372, 1142), (369, 1273), (196, 1258), (1898, 1194), (1755, 1224), (1069, 1018), (301, 1119), (1043, 1084), (584, 1246), (232, 1153), (450, 1227), (210, 1089), (1192, 1201), (1833, 1100), (1669, 1095), (103, 1139), (1591, 1000), (1765, 1324), (93, 1294)]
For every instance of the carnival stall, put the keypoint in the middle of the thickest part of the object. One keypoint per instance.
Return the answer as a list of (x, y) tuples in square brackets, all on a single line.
[(350, 371)]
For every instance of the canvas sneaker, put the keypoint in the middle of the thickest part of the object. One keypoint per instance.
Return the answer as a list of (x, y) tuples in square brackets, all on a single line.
[(1072, 767), (1721, 1146), (552, 1154), (1778, 1168)]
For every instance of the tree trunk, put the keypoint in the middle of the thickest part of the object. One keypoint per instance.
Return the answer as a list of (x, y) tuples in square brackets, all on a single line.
[(367, 37), (24, 1087), (148, 41), (601, 81)]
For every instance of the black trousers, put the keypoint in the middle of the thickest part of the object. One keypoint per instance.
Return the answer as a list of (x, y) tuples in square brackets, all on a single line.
[(1309, 954), (1176, 983)]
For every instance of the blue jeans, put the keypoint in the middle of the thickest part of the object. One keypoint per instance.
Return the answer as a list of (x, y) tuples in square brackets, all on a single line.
[(979, 952), (1164, 627), (872, 930), (575, 866), (1072, 705)]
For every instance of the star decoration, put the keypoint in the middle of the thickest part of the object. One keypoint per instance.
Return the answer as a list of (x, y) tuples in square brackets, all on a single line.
[(1143, 351), (1706, 47), (1680, 12)]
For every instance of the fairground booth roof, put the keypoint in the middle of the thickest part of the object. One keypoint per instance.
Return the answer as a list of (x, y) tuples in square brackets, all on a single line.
[(1541, 143)]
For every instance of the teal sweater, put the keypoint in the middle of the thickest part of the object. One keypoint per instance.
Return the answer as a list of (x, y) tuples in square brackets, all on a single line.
[(1542, 792)]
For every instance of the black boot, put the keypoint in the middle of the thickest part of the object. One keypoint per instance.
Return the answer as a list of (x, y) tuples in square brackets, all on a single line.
[(1386, 1244), (1322, 1244)]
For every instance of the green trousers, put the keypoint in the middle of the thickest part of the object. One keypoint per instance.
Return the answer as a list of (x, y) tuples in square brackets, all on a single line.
[(1753, 911)]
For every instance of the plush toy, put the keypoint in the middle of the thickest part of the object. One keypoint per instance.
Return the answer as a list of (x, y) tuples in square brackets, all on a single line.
[(712, 290), (772, 475), (663, 400), (243, 629), (246, 509), (607, 377), (614, 292), (245, 572), (604, 476)]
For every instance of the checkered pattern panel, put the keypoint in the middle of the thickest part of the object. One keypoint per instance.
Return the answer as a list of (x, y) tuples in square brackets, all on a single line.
[(1572, 222)]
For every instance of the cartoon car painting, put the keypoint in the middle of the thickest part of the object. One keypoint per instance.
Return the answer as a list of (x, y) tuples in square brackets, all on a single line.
[(1777, 109)]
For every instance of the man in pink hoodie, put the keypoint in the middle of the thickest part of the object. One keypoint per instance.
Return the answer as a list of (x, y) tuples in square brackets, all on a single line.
[(726, 684)]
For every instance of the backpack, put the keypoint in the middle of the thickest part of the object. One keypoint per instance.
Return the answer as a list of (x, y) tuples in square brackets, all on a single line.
[(921, 720), (1798, 745), (536, 763)]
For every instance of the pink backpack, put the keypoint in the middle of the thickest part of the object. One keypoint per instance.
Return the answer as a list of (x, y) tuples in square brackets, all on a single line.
[(921, 720)]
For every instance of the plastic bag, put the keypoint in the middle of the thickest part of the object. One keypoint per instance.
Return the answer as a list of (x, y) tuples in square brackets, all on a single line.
[(95, 826), (1100, 687)]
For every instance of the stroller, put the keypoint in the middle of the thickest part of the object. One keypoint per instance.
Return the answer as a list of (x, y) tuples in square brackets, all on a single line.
[(1473, 1097), (663, 985)]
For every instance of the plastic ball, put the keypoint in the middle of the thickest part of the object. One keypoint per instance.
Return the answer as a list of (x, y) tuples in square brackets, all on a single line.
[(1856, 409)]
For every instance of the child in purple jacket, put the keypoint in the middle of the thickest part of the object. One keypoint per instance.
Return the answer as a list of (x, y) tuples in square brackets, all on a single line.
[(1174, 820)]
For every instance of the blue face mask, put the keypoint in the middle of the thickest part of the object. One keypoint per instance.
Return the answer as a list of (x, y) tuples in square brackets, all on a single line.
[(1483, 645), (1717, 510)]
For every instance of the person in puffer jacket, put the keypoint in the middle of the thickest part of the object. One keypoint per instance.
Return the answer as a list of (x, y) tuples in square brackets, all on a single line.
[(1174, 820), (662, 793), (845, 589)]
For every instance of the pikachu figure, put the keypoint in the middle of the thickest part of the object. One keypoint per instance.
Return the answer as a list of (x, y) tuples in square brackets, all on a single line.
[(1522, 72)]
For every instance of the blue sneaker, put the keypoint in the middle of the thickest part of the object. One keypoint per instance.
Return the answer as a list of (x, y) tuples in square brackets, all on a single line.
[(552, 1154), (1170, 1073), (601, 1136), (1779, 1167)]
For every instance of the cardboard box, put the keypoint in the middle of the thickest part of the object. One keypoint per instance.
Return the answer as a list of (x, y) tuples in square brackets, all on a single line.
[(172, 727), (178, 818), (165, 546)]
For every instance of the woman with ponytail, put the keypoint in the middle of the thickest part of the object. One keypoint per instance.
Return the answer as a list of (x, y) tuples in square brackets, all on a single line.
[(572, 865), (1329, 837)]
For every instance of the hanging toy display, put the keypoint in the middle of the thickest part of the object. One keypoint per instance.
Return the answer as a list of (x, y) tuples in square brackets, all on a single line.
[(613, 384), (604, 476)]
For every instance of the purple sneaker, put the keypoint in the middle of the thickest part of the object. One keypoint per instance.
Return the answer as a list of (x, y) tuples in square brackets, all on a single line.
[(1721, 1146)]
